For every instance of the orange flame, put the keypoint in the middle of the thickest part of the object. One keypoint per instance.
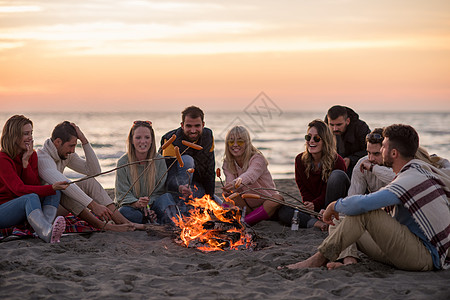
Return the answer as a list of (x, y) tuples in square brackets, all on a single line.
[(212, 227)]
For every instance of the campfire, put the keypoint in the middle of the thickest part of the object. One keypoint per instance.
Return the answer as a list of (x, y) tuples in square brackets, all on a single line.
[(210, 227)]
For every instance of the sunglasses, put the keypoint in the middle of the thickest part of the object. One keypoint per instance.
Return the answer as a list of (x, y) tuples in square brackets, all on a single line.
[(240, 143), (374, 136), (138, 123), (315, 138)]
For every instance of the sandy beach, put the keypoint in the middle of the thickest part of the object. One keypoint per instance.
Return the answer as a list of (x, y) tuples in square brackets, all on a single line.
[(135, 265)]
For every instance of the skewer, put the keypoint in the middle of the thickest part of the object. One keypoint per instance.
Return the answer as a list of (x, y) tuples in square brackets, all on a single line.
[(189, 172), (159, 181), (122, 166), (295, 206), (219, 175), (298, 207), (280, 191)]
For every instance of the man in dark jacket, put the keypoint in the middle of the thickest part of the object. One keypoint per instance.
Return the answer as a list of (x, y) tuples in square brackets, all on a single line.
[(350, 133), (203, 179)]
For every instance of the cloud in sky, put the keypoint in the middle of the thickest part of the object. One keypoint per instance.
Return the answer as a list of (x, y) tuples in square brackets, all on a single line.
[(159, 27), (325, 50)]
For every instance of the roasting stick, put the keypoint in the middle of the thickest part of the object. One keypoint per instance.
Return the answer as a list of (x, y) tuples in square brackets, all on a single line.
[(277, 190), (120, 167), (295, 206), (179, 159), (178, 156), (258, 195), (218, 175), (131, 187)]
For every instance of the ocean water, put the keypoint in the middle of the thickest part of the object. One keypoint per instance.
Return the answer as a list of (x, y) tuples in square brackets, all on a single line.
[(278, 134)]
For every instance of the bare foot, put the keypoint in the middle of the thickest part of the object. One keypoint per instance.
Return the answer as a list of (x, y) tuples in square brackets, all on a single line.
[(138, 226), (120, 227), (321, 225), (315, 261), (349, 260)]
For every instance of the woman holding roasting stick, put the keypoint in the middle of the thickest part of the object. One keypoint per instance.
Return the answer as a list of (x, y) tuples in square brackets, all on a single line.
[(244, 163), (319, 174), (140, 188), (21, 191)]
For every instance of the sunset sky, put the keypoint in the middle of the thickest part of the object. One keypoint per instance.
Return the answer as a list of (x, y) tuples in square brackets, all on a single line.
[(164, 55)]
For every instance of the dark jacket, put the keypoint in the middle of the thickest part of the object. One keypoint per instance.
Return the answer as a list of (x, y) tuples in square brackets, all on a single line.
[(354, 139), (204, 159)]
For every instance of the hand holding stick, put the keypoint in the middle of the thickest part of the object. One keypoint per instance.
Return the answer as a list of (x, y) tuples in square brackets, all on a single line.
[(189, 172), (218, 175), (179, 159)]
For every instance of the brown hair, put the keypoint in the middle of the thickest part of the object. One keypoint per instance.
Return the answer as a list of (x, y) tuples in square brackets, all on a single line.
[(193, 112), (12, 132), (404, 138), (329, 153)]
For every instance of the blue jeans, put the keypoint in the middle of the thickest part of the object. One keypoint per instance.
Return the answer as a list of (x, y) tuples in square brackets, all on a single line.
[(15, 212), (179, 176), (337, 187), (160, 204)]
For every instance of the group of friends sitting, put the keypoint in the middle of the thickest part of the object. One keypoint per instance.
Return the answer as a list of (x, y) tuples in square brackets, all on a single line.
[(376, 191)]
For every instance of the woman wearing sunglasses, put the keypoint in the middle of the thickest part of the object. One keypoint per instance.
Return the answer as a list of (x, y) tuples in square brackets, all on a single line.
[(319, 174), (243, 160), (140, 188)]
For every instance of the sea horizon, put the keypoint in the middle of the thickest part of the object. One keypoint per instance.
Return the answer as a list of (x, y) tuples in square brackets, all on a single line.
[(278, 134)]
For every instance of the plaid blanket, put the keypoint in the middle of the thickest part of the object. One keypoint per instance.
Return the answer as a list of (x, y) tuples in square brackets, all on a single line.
[(425, 192), (73, 225)]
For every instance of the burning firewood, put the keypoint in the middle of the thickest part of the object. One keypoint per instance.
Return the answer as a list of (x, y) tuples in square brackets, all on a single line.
[(210, 227)]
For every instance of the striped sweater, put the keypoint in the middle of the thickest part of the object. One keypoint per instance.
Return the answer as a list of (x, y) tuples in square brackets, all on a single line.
[(425, 192)]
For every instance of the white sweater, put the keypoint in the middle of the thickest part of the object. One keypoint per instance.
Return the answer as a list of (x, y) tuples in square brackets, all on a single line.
[(372, 181), (51, 168)]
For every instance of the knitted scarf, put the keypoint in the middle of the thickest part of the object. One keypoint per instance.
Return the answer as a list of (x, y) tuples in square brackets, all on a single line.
[(425, 192)]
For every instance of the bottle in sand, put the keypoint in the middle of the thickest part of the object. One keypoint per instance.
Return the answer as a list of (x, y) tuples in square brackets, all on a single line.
[(294, 223)]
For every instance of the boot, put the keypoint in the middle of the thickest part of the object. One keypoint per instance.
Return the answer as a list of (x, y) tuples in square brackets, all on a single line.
[(49, 212), (256, 216), (47, 231)]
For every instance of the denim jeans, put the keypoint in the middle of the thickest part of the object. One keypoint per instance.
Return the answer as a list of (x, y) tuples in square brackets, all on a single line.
[(337, 186), (15, 211), (160, 204)]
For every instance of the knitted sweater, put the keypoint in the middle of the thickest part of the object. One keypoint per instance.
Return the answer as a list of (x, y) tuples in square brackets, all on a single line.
[(256, 176), (124, 182), (16, 181), (370, 181), (51, 168), (425, 191), (313, 188)]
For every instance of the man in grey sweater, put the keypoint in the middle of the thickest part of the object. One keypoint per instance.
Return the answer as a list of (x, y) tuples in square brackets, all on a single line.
[(85, 196)]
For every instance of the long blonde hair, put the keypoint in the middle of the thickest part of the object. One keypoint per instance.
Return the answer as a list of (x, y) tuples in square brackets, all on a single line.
[(240, 132), (12, 133), (329, 153), (131, 151)]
